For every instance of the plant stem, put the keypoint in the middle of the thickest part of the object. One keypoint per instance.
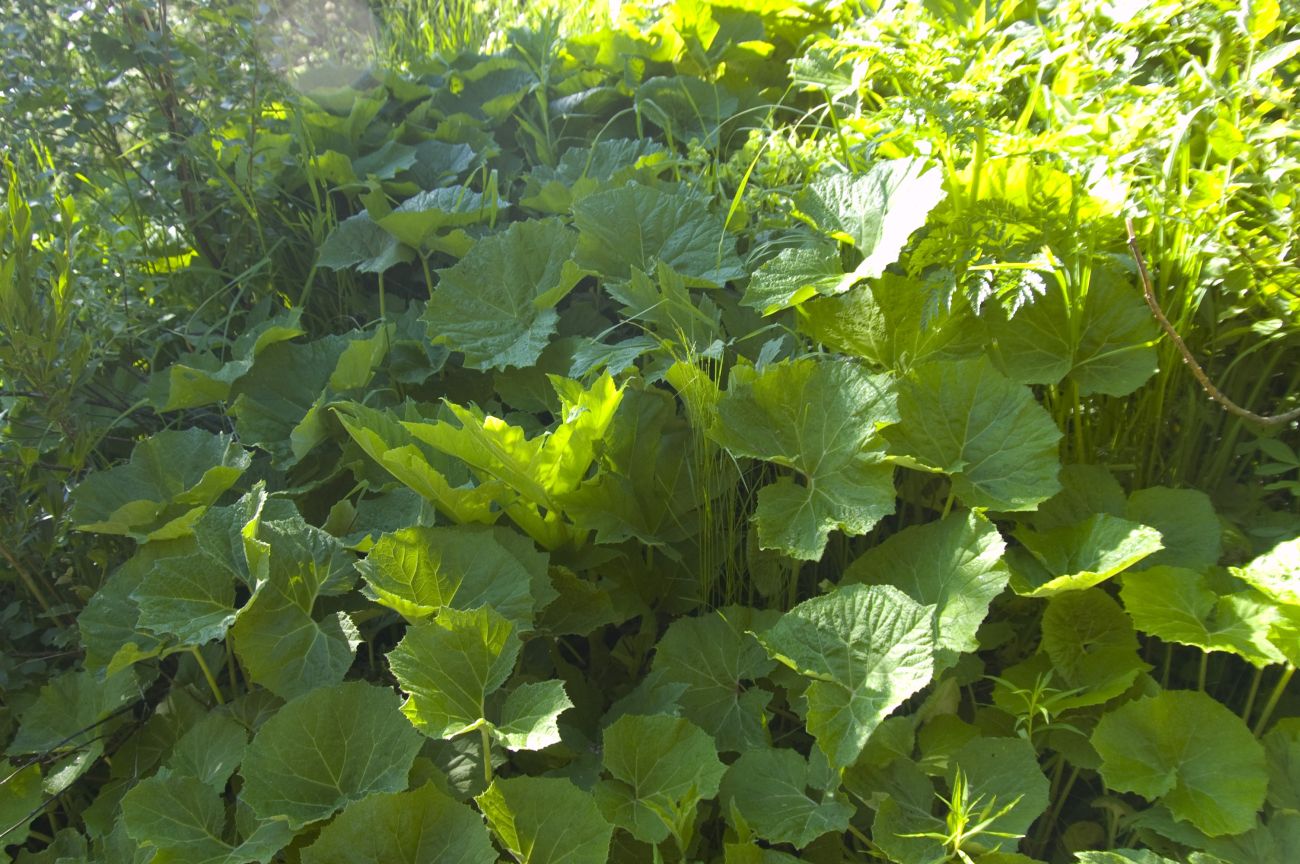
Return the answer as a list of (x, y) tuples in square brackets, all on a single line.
[(1250, 697), (487, 752), (207, 674), (1273, 698), (1201, 670)]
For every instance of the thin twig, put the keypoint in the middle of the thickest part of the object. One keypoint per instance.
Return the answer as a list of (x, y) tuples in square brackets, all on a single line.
[(1149, 292)]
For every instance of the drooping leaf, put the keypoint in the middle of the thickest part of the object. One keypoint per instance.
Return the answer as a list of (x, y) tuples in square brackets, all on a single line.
[(1079, 556), (438, 478), (718, 660), (662, 767), (530, 473), (988, 434), (1178, 605), (1186, 520), (866, 649), (359, 243), (417, 571), (497, 304), (1104, 340), (422, 826), (172, 477), (449, 665), (325, 749), (954, 564), (638, 226), (820, 418), (770, 789), (546, 820), (1188, 751)]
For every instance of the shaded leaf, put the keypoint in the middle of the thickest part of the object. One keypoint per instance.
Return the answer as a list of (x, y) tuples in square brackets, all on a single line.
[(325, 749), (1191, 753)]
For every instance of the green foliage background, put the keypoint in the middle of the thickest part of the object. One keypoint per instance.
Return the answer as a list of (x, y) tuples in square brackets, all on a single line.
[(708, 431)]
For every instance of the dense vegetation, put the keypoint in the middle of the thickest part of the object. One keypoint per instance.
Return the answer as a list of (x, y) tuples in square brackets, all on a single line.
[(716, 431)]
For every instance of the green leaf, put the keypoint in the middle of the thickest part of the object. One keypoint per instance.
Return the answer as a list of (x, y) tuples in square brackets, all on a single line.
[(887, 322), (1079, 556), (954, 564), (423, 826), (185, 820), (282, 644), (497, 304), (190, 598), (170, 480), (210, 750), (531, 473), (1187, 522), (584, 170), (420, 219), (325, 749), (794, 276), (528, 719), (66, 713), (819, 418), (1085, 490), (1104, 341), (988, 434), (875, 212), (637, 226), (770, 789), (1276, 572), (282, 388), (1282, 752), (449, 665), (1189, 752), (1003, 772), (1122, 856), (360, 244), (646, 489), (21, 796), (438, 478), (1178, 605), (546, 820), (663, 305), (107, 623), (718, 659), (417, 571), (1092, 646), (867, 649), (662, 768)]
